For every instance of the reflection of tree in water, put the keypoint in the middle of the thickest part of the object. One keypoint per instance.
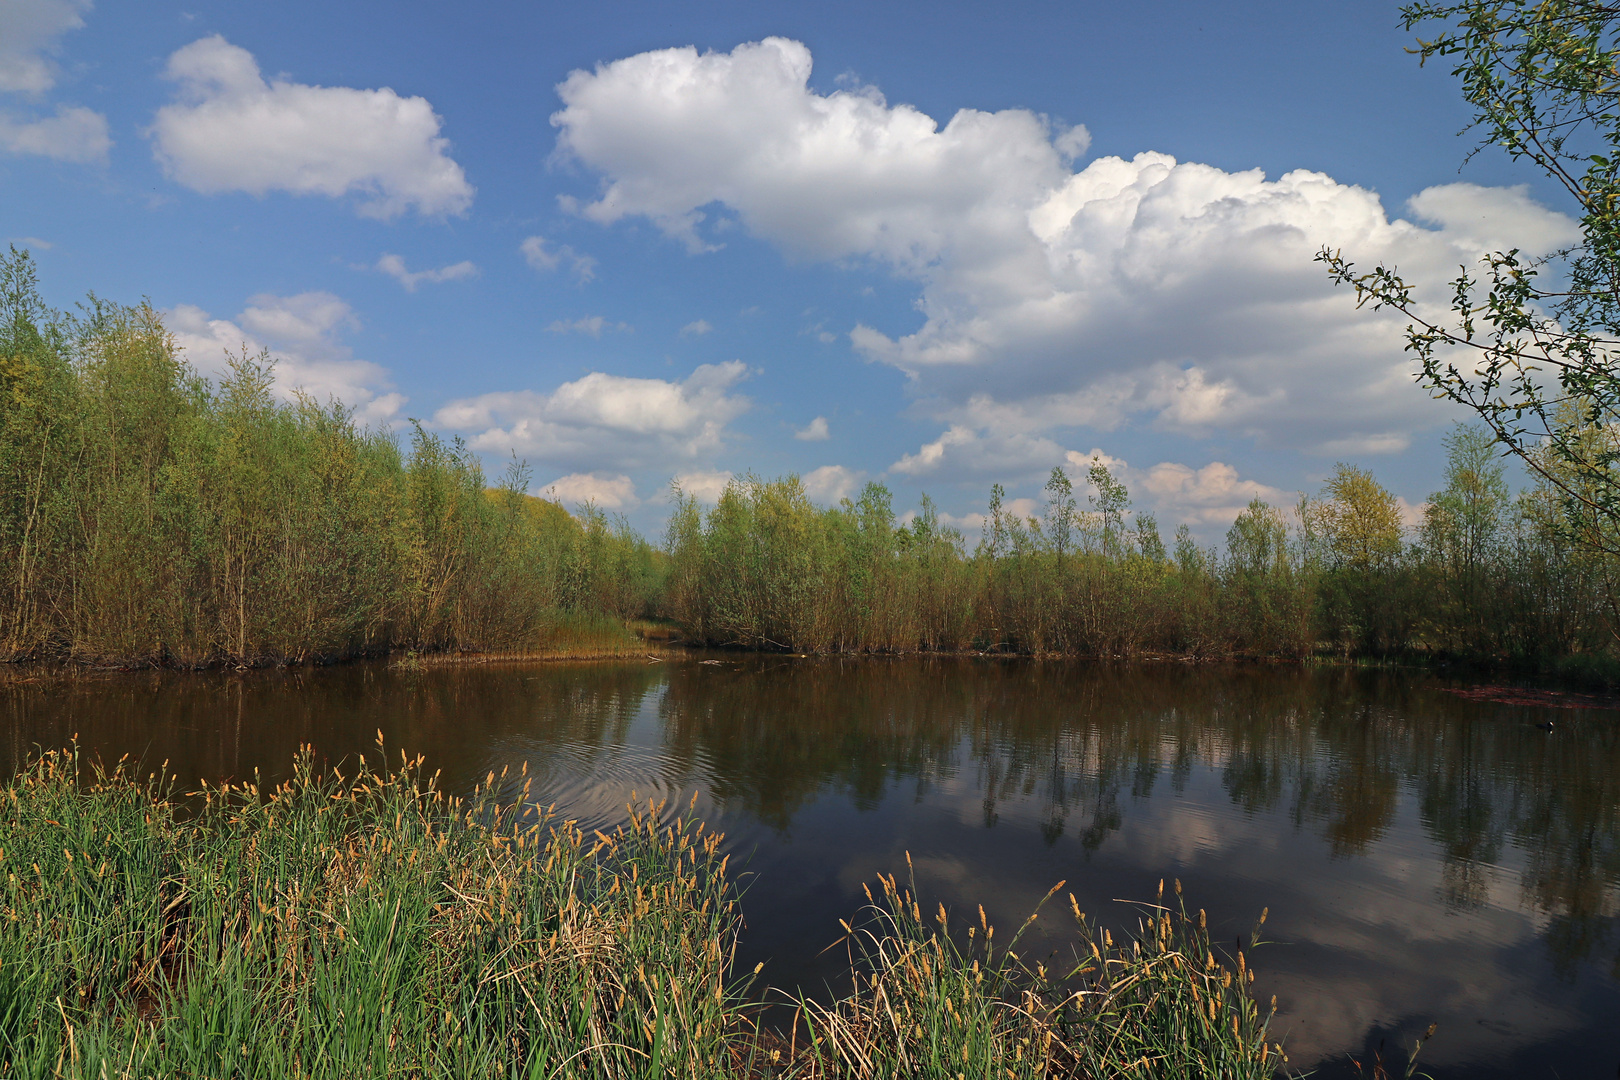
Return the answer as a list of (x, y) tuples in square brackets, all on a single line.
[(1075, 743), (774, 736), (219, 726), (1336, 751)]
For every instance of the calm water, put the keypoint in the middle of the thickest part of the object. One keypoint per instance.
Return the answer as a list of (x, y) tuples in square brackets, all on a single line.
[(1424, 857)]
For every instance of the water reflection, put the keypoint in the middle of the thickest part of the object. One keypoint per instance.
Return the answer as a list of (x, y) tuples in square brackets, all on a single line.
[(1425, 857)]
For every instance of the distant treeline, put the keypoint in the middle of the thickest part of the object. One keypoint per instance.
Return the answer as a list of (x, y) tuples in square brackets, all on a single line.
[(148, 515), (1486, 576)]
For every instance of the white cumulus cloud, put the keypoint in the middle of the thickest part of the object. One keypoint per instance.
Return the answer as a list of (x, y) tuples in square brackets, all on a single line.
[(74, 134), (230, 130), (394, 267), (28, 33), (696, 328), (830, 483), (302, 333), (607, 492), (1142, 290), (967, 453), (606, 422), (1212, 495), (814, 431), (1207, 498), (706, 486)]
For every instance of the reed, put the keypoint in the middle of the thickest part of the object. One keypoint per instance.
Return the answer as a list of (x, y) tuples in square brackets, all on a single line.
[(362, 923), (937, 1002), (353, 924)]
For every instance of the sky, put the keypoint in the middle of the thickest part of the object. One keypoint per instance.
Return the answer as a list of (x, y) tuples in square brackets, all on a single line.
[(933, 246)]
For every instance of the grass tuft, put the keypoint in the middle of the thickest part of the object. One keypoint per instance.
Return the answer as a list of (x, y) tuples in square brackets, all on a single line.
[(933, 1002), (363, 923), (352, 924)]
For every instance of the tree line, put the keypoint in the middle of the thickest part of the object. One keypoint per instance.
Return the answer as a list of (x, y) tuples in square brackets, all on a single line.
[(1486, 576), (148, 515)]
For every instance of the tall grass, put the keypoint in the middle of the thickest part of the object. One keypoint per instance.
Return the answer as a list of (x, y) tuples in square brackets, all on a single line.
[(147, 515), (356, 924), (930, 1002), (362, 923)]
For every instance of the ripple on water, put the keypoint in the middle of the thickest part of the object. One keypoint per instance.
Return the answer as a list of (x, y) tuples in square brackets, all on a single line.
[(592, 784)]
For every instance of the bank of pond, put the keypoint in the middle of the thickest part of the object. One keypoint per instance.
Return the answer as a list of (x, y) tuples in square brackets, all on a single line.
[(151, 516), (359, 922)]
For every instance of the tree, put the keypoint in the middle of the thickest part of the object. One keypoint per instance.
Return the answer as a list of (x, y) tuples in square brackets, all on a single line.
[(1257, 542), (1060, 511), (1538, 363), (1111, 502), (1356, 522), (1461, 522)]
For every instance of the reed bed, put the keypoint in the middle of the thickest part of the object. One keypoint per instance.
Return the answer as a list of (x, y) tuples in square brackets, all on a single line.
[(936, 1003), (353, 924), (363, 923)]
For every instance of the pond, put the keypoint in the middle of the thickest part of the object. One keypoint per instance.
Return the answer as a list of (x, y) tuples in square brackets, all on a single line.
[(1424, 856)]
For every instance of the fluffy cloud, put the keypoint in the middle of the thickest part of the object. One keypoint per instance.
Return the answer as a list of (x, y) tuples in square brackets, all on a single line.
[(704, 486), (830, 483), (540, 257), (1212, 495), (814, 431), (28, 33), (696, 328), (74, 134), (971, 525), (607, 492), (28, 38), (230, 130), (1151, 289), (1206, 498), (394, 267), (302, 334), (606, 421), (966, 453)]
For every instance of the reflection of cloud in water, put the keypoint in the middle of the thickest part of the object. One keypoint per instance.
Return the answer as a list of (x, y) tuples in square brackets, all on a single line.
[(1362, 945), (1423, 857)]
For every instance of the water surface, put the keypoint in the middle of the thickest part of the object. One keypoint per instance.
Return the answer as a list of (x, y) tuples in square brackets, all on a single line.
[(1424, 857)]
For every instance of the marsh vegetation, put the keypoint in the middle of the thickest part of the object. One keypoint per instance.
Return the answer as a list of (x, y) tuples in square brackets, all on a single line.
[(1486, 576), (362, 923), (150, 516)]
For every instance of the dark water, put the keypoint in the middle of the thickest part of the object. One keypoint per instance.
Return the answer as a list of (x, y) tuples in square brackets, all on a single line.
[(1424, 857)]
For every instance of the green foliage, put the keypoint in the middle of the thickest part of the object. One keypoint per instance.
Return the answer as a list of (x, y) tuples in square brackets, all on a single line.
[(353, 924), (930, 1002), (149, 517), (1487, 578), (1536, 362), (361, 923), (766, 569)]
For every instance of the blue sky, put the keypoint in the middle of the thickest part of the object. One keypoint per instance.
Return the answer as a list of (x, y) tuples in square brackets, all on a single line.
[(934, 245)]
